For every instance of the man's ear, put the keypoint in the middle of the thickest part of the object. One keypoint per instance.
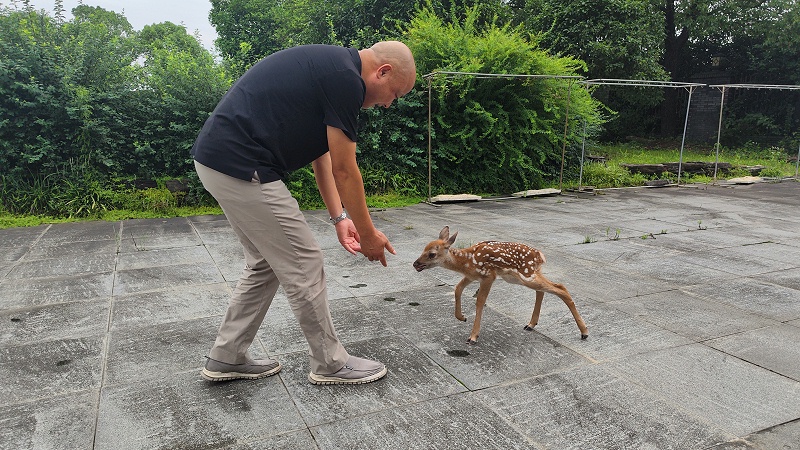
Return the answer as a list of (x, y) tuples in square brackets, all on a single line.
[(384, 70)]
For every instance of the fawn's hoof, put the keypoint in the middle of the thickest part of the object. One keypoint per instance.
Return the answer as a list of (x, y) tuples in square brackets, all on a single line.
[(584, 336), (472, 342), (463, 319), (528, 328)]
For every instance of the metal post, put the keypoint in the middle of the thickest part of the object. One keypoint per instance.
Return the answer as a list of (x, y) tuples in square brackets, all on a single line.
[(583, 155), (685, 125), (719, 130), (429, 139), (797, 163), (564, 145)]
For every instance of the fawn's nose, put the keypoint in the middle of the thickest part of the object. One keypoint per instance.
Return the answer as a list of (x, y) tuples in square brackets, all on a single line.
[(419, 266)]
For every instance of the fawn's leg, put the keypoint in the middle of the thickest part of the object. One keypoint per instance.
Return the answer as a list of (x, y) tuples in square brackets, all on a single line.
[(536, 310), (459, 289), (483, 292), (560, 290)]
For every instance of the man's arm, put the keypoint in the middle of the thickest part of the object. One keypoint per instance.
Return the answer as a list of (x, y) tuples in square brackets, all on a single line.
[(345, 229), (350, 187)]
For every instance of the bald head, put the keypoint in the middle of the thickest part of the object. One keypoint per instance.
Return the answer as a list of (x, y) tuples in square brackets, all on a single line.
[(398, 55), (388, 71)]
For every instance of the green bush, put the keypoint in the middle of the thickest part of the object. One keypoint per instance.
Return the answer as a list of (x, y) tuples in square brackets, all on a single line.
[(496, 135)]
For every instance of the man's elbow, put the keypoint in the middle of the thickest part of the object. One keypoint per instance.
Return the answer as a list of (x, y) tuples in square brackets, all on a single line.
[(345, 175)]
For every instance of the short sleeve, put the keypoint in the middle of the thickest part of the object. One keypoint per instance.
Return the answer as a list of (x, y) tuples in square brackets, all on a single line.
[(342, 97)]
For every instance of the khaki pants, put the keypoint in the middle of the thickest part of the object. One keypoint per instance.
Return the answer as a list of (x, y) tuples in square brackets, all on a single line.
[(279, 249)]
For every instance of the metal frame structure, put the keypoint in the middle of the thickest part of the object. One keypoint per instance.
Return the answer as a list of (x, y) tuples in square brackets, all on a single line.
[(690, 87), (431, 75), (723, 87)]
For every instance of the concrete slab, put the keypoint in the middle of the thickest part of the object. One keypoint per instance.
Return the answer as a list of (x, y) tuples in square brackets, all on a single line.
[(300, 440), (79, 232), (772, 347), (454, 422), (613, 333), (727, 392), (590, 407), (54, 322), (784, 436), (73, 251), (414, 378), (753, 295), (61, 267), (47, 369), (24, 293), (691, 340), (787, 278), (64, 422), (170, 305), (689, 316), (165, 277), (678, 270), (145, 353), (735, 261), (504, 351), (164, 257), (21, 237), (184, 411)]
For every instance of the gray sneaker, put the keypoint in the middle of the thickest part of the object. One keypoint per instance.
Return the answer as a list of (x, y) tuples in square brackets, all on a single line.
[(355, 371), (251, 370)]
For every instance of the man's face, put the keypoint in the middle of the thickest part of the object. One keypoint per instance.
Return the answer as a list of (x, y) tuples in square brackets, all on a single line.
[(386, 88)]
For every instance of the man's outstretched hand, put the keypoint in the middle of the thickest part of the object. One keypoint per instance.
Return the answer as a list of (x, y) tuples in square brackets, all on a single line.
[(371, 246), (348, 236)]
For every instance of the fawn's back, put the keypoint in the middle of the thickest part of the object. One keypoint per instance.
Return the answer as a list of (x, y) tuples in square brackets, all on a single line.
[(512, 261)]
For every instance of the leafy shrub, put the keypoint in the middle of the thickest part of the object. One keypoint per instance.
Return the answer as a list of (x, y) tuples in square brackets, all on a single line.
[(495, 134)]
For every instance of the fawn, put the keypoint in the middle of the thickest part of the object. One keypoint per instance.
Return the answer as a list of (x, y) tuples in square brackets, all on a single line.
[(514, 262)]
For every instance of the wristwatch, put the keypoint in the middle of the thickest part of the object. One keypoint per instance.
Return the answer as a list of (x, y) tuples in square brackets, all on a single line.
[(339, 218)]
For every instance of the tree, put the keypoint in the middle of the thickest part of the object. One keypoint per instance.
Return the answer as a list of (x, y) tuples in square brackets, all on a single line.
[(87, 100), (179, 84), (620, 39), (33, 96), (697, 30)]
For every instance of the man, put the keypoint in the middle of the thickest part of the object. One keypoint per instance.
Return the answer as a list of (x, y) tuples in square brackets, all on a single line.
[(295, 107)]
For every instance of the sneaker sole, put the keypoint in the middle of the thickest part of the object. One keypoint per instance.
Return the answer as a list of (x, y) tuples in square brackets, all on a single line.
[(228, 376), (324, 380)]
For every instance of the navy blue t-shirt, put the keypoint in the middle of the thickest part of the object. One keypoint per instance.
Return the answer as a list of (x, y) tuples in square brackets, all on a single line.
[(274, 119)]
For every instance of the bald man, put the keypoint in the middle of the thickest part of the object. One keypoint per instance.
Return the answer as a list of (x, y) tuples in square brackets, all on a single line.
[(295, 107)]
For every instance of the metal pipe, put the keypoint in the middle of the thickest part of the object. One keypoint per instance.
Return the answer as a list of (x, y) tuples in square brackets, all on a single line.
[(685, 125), (797, 163), (719, 129), (429, 140), (564, 144), (583, 155)]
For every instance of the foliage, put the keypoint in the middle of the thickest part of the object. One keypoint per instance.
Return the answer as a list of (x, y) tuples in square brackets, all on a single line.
[(621, 39), (249, 30), (88, 100), (495, 134), (751, 42)]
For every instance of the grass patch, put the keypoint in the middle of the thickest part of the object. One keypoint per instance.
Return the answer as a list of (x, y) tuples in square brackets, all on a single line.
[(611, 174)]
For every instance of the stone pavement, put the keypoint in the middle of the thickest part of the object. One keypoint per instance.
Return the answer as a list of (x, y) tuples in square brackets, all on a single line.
[(691, 295)]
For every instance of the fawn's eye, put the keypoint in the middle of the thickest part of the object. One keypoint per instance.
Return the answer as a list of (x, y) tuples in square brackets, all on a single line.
[(431, 255)]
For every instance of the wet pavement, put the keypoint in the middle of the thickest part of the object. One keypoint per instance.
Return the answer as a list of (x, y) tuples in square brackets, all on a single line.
[(691, 296)]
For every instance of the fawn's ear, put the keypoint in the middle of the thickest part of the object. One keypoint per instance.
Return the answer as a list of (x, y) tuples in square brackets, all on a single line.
[(452, 239), (443, 235)]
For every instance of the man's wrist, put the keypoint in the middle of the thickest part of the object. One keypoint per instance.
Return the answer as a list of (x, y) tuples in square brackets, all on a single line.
[(339, 218)]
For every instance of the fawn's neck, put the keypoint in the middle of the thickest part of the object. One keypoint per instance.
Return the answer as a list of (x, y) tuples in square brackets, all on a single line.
[(459, 260)]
